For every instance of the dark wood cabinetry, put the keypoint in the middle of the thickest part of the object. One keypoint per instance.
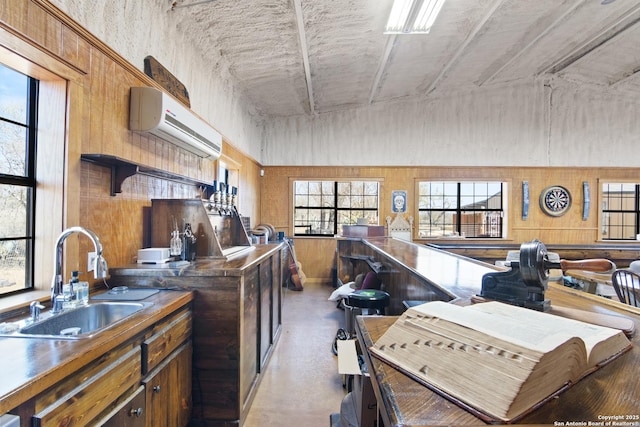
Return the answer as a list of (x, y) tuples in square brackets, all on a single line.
[(237, 316), (131, 413), (145, 380), (168, 390)]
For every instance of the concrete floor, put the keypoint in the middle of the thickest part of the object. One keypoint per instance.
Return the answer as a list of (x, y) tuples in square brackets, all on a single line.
[(301, 385)]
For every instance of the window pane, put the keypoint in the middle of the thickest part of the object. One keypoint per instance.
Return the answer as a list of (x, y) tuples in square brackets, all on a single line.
[(471, 209), (13, 149), (371, 202), (317, 207), (13, 95), (13, 270), (620, 225), (481, 224), (436, 224), (14, 205)]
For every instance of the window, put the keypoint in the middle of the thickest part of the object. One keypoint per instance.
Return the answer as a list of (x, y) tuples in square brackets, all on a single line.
[(620, 211), (467, 209), (323, 207), (18, 120)]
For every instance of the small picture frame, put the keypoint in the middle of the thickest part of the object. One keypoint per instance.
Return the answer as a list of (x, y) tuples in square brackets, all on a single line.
[(399, 201)]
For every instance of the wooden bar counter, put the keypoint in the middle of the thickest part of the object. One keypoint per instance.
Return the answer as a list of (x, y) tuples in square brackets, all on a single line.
[(237, 318), (612, 391)]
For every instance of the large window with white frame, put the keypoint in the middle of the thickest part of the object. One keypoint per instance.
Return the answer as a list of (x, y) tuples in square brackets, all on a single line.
[(620, 206), (18, 124), (461, 209), (322, 207)]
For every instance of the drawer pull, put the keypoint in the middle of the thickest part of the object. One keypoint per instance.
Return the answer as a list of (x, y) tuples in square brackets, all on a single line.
[(156, 389), (135, 412)]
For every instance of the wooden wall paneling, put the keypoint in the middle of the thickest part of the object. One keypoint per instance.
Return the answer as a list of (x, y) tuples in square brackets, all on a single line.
[(568, 229), (316, 254)]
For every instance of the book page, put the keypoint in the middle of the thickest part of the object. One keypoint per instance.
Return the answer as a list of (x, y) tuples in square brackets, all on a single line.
[(539, 324), (518, 325)]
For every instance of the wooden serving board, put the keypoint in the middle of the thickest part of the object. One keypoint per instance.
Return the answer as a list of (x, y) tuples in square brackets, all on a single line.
[(157, 72)]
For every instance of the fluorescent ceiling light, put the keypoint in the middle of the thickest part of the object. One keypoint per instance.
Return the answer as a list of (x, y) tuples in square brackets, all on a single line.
[(413, 16)]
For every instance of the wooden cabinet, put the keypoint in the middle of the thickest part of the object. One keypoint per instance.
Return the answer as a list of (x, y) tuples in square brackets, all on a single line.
[(237, 316), (87, 394), (168, 390), (131, 413), (146, 381), (249, 336)]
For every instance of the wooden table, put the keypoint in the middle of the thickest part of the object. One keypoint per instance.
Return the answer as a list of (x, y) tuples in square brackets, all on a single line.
[(600, 282), (612, 391)]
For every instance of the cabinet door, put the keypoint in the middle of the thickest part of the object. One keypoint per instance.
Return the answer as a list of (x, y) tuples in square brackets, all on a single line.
[(266, 305), (131, 413), (168, 390), (276, 298), (249, 337)]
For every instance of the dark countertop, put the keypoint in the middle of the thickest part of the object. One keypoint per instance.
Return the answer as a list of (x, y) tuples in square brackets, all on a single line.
[(456, 275), (31, 365), (235, 265)]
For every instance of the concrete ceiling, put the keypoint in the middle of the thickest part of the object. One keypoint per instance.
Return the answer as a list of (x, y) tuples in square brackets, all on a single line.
[(292, 57)]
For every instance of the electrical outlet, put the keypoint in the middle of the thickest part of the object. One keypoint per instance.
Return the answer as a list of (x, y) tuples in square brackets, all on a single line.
[(91, 260)]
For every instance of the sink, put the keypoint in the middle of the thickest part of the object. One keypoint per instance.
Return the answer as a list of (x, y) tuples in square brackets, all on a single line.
[(78, 323)]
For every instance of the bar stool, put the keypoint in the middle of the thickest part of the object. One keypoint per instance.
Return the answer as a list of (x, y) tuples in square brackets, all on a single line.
[(371, 300)]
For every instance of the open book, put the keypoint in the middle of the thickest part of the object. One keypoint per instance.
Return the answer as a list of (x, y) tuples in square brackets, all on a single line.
[(497, 360)]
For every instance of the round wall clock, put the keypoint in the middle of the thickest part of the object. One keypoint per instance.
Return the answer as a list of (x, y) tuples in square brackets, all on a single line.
[(555, 200)]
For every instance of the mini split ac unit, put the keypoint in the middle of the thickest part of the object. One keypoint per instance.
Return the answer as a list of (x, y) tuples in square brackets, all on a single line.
[(153, 111)]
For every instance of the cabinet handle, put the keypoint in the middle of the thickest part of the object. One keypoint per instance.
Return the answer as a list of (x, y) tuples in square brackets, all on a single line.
[(156, 389), (135, 412)]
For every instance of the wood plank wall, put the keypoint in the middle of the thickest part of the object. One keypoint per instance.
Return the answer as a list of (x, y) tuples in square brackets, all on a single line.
[(317, 255), (97, 91)]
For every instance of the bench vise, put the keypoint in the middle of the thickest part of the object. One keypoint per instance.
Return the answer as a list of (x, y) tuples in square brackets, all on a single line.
[(525, 284)]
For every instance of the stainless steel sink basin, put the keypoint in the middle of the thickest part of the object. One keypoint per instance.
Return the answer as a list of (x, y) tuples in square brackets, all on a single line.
[(78, 323)]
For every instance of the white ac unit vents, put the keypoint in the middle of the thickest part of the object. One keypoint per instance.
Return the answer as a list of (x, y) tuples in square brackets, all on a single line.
[(153, 111)]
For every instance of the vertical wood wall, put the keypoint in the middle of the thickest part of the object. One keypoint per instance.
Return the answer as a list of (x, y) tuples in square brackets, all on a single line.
[(97, 100), (317, 254)]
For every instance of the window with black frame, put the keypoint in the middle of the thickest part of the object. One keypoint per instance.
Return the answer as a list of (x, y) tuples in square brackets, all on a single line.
[(18, 124), (321, 208), (460, 209), (620, 210)]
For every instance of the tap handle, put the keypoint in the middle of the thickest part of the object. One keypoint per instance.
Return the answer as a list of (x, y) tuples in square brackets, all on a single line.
[(34, 310)]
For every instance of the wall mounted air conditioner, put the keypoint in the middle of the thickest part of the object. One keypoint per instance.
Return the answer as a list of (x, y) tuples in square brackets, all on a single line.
[(153, 111)]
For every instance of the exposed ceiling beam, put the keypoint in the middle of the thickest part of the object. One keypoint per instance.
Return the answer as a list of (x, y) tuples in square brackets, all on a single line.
[(305, 53), (539, 31), (626, 21), (384, 61), (472, 35)]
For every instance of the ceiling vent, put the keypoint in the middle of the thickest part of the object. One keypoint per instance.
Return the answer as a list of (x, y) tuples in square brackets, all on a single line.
[(157, 113)]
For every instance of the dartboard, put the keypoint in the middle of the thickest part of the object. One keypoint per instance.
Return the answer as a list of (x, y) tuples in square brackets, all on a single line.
[(555, 200)]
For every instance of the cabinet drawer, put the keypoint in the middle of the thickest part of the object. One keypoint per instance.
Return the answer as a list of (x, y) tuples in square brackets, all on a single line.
[(93, 395), (130, 413), (162, 343)]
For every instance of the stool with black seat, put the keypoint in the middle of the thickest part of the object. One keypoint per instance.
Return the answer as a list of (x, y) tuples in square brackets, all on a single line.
[(356, 409), (373, 301)]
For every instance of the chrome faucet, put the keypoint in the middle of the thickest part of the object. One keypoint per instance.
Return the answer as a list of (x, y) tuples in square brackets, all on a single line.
[(99, 268)]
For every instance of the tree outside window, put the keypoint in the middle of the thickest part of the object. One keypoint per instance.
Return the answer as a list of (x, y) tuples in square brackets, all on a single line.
[(18, 106), (321, 208)]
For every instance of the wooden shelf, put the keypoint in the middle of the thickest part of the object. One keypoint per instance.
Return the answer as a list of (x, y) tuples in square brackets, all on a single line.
[(122, 169)]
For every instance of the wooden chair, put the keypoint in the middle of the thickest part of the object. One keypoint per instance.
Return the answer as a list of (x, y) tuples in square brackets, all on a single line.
[(627, 286)]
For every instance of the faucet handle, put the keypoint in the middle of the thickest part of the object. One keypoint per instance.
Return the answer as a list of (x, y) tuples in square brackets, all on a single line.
[(34, 310), (58, 303)]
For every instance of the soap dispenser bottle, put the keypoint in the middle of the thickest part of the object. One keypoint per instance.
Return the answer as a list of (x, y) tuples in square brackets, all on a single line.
[(69, 292)]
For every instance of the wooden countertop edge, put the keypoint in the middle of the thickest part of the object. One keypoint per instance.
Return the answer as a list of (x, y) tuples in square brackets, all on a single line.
[(89, 350), (202, 266)]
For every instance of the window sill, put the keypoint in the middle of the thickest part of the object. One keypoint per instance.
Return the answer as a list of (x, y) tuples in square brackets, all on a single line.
[(17, 304)]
